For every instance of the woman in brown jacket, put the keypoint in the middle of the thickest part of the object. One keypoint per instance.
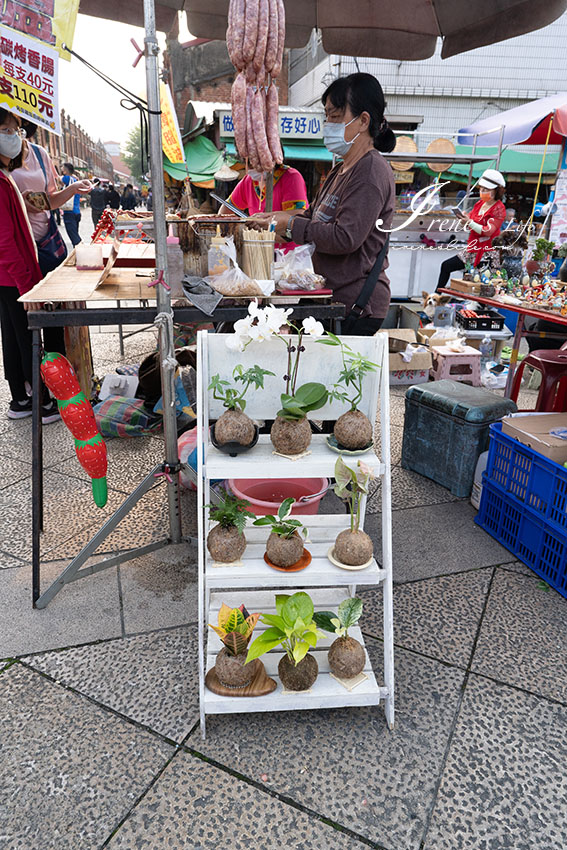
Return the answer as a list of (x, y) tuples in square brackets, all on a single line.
[(354, 208)]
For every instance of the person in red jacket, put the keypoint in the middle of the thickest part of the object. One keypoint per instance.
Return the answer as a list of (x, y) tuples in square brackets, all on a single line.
[(19, 272), (484, 222)]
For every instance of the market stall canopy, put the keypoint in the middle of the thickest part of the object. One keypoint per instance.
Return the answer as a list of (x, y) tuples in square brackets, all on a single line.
[(517, 166), (523, 125), (202, 159), (380, 28)]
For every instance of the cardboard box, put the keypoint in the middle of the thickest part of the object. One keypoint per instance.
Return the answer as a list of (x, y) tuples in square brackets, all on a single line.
[(469, 287), (416, 371), (424, 336), (533, 431)]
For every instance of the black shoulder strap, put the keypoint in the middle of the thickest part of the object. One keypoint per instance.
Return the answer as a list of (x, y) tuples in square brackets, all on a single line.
[(370, 282)]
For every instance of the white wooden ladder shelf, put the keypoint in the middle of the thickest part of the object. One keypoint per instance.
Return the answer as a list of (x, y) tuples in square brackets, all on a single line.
[(254, 583)]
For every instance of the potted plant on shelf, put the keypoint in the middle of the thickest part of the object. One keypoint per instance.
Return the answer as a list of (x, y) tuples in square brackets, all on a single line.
[(226, 541), (353, 547), (294, 628), (353, 430), (284, 547), (235, 627), (346, 654), (539, 261), (291, 431), (234, 431)]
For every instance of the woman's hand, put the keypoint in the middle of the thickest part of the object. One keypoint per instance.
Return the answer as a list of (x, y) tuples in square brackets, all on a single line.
[(81, 187), (31, 306), (281, 219)]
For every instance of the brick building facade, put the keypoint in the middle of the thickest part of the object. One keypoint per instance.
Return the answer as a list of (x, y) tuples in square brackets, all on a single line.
[(74, 145)]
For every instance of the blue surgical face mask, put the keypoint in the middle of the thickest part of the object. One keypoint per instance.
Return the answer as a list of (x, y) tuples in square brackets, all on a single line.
[(334, 138), (10, 145)]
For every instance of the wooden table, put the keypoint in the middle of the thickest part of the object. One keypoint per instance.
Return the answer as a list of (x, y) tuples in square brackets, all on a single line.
[(67, 286), (522, 311)]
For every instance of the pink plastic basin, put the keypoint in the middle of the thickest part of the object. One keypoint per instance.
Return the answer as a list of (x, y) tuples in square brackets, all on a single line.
[(266, 495)]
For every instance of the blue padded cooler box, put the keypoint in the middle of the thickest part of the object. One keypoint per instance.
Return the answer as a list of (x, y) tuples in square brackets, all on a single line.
[(446, 429)]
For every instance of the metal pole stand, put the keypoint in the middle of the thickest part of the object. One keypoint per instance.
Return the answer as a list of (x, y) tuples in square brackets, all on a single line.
[(170, 468)]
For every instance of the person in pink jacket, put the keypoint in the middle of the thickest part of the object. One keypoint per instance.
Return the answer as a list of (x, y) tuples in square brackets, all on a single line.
[(19, 272)]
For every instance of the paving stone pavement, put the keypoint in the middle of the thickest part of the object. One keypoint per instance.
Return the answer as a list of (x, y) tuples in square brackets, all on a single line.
[(100, 744)]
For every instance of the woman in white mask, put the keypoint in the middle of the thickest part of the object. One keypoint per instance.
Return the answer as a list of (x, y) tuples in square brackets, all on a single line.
[(19, 272), (350, 250)]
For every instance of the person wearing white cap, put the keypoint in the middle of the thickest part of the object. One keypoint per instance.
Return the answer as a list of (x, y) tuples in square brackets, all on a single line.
[(484, 222)]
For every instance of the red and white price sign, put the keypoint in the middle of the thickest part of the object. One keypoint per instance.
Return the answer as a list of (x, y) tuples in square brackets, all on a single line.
[(29, 84)]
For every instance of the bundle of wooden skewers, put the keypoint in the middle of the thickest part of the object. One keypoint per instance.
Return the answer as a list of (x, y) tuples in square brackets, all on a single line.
[(258, 253)]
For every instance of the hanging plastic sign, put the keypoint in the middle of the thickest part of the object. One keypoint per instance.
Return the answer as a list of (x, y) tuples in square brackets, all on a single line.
[(170, 135), (50, 21), (29, 84)]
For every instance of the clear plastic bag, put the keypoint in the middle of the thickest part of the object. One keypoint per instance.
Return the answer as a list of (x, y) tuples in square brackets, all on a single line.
[(232, 282), (294, 270)]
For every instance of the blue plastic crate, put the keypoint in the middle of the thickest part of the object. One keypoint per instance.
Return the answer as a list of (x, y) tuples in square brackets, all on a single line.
[(535, 542), (535, 481)]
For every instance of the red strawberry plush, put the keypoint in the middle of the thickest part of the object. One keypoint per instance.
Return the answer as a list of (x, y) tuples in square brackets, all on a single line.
[(78, 416), (92, 457), (59, 376)]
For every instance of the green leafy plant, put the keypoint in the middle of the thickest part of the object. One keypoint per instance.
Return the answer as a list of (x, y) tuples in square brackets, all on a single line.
[(348, 614), (292, 626), (311, 396), (543, 249), (262, 324), (562, 250), (351, 485), (233, 397), (231, 512), (281, 524), (235, 627), (348, 388)]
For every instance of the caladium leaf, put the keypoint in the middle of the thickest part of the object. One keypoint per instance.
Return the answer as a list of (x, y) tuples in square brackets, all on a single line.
[(323, 620), (350, 611), (284, 509)]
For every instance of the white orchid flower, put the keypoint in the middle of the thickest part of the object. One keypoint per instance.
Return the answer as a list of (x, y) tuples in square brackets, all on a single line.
[(253, 308), (313, 327), (237, 343), (238, 340), (260, 332), (276, 317), (242, 326)]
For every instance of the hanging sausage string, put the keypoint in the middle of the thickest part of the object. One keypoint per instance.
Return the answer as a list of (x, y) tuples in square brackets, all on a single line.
[(255, 41)]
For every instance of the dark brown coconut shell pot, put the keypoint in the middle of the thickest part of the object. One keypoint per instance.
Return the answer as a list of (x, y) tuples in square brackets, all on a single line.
[(290, 437), (284, 551), (226, 545), (353, 548), (346, 658), (353, 430), (231, 670), (298, 677), (234, 426)]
